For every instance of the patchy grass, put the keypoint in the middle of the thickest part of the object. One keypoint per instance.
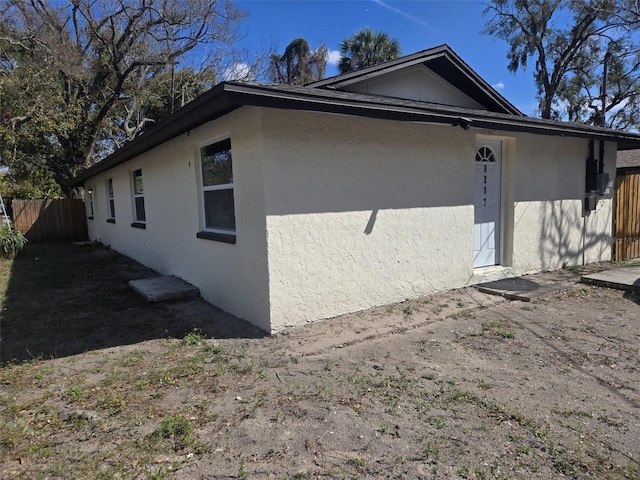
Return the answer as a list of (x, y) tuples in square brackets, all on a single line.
[(498, 328), (98, 384)]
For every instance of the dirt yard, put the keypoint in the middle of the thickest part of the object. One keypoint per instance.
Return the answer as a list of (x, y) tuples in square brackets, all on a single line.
[(455, 385)]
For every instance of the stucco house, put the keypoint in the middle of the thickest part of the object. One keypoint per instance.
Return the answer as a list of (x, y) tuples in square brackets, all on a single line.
[(290, 204)]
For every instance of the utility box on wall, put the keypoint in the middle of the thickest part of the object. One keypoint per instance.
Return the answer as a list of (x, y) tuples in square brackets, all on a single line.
[(604, 185)]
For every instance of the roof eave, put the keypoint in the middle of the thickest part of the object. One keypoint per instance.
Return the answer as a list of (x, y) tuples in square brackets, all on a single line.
[(229, 96), (264, 97)]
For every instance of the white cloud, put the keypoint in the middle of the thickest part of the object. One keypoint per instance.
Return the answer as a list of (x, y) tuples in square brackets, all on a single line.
[(401, 12), (334, 57), (237, 71), (499, 86)]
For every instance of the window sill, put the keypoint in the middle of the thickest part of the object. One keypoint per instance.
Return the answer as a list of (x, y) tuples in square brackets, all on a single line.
[(111, 220), (217, 237), (90, 218), (139, 225)]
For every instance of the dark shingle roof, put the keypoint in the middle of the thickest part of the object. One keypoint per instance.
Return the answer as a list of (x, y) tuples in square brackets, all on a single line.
[(628, 159)]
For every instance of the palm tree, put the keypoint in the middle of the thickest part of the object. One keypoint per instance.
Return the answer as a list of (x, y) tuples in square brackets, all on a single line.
[(366, 48)]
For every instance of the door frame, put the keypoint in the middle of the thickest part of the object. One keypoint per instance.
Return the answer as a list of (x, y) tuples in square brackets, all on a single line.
[(507, 198), (496, 147)]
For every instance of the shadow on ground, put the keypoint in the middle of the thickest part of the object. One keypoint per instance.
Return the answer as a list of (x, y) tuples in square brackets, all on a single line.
[(634, 296), (60, 299)]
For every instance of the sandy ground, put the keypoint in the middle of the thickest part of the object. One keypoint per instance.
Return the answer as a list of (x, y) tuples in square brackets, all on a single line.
[(456, 385)]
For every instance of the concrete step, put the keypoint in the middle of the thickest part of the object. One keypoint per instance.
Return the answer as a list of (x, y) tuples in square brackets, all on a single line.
[(623, 278), (158, 289), (519, 288)]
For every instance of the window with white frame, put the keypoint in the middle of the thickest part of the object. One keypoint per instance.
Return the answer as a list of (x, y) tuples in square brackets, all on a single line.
[(139, 215), (217, 188), (90, 200), (111, 204)]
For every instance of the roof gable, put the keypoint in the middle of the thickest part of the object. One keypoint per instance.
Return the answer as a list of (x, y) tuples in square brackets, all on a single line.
[(417, 82), (435, 75)]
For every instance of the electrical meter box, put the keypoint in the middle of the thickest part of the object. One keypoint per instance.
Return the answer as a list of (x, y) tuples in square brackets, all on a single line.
[(604, 185), (590, 202)]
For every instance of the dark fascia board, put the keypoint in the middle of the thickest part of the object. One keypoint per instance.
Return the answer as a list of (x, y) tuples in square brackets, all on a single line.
[(228, 96), (303, 98), (444, 62)]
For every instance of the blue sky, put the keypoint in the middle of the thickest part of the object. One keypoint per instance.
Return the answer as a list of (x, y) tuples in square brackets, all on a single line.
[(416, 24)]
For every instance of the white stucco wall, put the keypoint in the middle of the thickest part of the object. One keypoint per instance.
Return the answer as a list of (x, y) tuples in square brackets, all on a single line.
[(336, 214), (364, 212), (551, 228), (233, 277)]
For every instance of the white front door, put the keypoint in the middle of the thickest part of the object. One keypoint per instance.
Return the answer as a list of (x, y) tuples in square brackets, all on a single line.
[(486, 230)]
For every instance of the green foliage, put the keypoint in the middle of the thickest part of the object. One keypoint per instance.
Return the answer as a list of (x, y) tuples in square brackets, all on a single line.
[(93, 75), (23, 184), (298, 64), (366, 48), (194, 337), (570, 43), (154, 97), (175, 428), (11, 242)]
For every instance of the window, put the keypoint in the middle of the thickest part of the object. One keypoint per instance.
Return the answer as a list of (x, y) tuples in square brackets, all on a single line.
[(217, 192), (90, 192), (138, 199), (111, 205)]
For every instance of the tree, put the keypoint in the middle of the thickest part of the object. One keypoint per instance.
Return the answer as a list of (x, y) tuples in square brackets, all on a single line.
[(618, 105), (571, 41), (298, 64), (153, 97), (365, 49), (29, 106), (88, 64)]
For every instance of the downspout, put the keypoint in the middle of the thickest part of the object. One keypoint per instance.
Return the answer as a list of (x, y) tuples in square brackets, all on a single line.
[(584, 238), (592, 166)]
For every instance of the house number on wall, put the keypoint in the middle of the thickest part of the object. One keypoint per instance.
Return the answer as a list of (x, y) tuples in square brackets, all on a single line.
[(485, 154)]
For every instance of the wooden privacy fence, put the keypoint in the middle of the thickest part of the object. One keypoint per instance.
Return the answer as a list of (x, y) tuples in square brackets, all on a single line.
[(50, 220), (627, 215)]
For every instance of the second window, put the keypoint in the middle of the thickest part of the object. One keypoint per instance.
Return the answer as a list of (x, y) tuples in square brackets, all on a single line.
[(217, 187), (138, 196)]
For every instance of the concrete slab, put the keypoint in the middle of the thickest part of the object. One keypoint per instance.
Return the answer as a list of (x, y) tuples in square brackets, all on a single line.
[(157, 289), (519, 288), (85, 244), (623, 278)]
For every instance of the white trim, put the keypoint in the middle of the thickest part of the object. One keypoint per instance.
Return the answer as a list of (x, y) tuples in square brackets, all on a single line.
[(135, 196), (494, 160), (507, 182), (90, 191), (110, 198), (217, 139), (208, 188)]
